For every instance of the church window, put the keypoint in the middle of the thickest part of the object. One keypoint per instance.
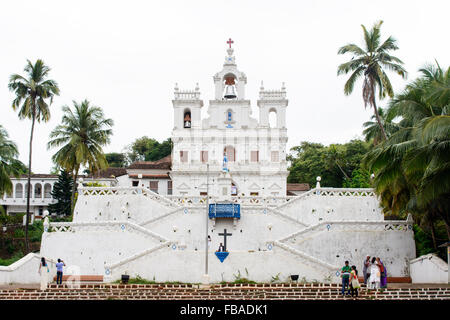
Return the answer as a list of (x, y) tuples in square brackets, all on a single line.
[(254, 193), (204, 156), (231, 153), (183, 156), (169, 187), (187, 119), (272, 118), (234, 190), (154, 186), (135, 183), (254, 156), (275, 156)]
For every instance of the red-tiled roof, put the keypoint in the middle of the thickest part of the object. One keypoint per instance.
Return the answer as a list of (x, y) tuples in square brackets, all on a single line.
[(298, 187), (164, 163), (111, 172), (150, 176)]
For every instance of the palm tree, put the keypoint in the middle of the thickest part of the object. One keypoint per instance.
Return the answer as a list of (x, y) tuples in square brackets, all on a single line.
[(81, 135), (372, 130), (412, 168), (31, 93), (9, 165), (370, 63)]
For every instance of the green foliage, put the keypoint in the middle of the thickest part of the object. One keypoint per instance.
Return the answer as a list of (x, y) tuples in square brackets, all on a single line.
[(148, 149), (370, 63), (95, 184), (117, 160), (335, 164), (16, 256), (9, 165), (62, 193), (412, 168)]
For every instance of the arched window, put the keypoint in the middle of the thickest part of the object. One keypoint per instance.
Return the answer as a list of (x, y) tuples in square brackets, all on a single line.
[(26, 190), (187, 119), (47, 190), (230, 86), (19, 190), (273, 118), (38, 190), (231, 153)]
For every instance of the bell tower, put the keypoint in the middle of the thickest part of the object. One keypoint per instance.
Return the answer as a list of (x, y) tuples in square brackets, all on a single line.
[(187, 108), (230, 82)]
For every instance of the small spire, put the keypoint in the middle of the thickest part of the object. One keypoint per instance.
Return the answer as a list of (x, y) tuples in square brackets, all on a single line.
[(283, 87), (176, 86), (262, 85), (197, 87)]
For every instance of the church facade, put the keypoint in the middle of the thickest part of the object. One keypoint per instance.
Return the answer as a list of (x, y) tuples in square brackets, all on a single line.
[(252, 152)]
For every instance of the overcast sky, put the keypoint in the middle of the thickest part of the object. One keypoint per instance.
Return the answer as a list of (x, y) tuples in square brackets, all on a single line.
[(126, 56)]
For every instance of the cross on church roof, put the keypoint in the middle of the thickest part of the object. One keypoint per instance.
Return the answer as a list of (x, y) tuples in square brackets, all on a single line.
[(230, 42)]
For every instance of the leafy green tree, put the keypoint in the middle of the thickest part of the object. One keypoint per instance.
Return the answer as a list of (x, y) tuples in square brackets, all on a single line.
[(32, 93), (148, 149), (62, 192), (335, 164), (370, 63), (9, 165), (115, 159), (81, 135)]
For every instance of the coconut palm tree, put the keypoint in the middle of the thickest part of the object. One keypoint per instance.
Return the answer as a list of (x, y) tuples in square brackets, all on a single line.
[(9, 165), (32, 93), (81, 135), (372, 130), (370, 64), (412, 168)]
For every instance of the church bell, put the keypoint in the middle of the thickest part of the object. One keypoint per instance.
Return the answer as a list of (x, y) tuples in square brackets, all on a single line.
[(230, 88)]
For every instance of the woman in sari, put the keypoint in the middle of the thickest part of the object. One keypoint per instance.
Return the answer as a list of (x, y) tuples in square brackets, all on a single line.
[(43, 271), (383, 274), (374, 280)]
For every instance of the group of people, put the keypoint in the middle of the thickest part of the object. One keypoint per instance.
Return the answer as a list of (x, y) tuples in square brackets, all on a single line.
[(375, 276), (44, 271)]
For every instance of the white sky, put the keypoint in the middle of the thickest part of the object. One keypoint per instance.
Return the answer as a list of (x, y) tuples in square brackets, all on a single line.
[(125, 56)]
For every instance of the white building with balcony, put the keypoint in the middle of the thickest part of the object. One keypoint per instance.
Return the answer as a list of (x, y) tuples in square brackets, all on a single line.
[(252, 151), (41, 188)]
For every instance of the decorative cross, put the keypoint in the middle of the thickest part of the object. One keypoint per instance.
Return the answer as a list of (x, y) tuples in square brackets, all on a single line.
[(225, 234), (230, 42)]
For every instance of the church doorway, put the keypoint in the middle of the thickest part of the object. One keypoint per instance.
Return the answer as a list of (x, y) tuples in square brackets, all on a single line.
[(230, 152)]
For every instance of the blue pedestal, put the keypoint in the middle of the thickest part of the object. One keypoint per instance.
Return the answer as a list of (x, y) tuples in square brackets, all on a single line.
[(222, 255)]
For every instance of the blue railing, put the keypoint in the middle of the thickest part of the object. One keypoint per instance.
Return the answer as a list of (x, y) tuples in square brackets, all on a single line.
[(224, 210)]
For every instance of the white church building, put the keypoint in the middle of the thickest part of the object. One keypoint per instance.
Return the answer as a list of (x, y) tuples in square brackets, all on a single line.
[(254, 151), (237, 165)]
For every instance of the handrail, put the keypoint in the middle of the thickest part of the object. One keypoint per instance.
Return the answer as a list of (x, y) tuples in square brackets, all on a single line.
[(68, 225), (17, 264), (138, 255), (348, 222), (86, 191), (330, 192), (306, 256)]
